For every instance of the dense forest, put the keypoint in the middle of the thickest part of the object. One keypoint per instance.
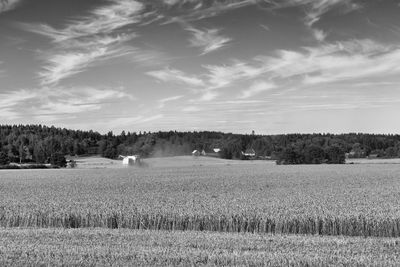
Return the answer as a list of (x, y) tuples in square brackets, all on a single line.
[(42, 144)]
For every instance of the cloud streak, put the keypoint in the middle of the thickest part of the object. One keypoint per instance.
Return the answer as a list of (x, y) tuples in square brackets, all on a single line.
[(163, 101), (208, 40), (6, 5), (177, 76), (93, 39), (352, 60), (89, 40), (256, 88), (58, 101), (319, 35), (103, 20), (314, 9), (192, 10), (63, 65)]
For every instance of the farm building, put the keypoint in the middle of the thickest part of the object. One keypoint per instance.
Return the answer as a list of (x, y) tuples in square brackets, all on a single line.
[(130, 160), (203, 152), (249, 153)]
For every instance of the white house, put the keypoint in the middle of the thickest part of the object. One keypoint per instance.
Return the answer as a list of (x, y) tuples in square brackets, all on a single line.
[(250, 153)]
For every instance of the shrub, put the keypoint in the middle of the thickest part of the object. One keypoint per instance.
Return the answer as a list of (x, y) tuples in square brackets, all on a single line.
[(59, 160), (335, 155), (290, 155), (4, 160)]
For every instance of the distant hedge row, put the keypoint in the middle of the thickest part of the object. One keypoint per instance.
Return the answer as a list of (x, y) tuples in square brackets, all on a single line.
[(42, 144), (312, 154)]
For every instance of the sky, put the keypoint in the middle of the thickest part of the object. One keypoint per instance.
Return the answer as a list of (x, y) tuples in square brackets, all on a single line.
[(272, 66)]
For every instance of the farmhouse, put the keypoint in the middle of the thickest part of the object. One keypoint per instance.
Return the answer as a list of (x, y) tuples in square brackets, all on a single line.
[(206, 153), (249, 153)]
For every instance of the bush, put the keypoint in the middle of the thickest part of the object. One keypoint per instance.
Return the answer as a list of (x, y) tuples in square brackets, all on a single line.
[(290, 155), (314, 154), (4, 160), (335, 155), (311, 154), (59, 160)]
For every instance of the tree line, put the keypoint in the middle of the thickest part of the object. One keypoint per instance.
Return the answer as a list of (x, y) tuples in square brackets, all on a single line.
[(44, 144)]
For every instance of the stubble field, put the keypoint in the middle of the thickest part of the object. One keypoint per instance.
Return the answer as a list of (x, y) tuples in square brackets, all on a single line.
[(214, 199)]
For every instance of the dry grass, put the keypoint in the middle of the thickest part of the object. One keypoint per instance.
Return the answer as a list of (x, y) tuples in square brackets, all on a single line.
[(351, 200), (103, 247)]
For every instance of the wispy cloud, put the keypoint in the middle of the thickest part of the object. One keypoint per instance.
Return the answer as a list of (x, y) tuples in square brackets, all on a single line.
[(89, 40), (62, 66), (352, 60), (348, 60), (57, 101), (151, 118), (6, 5), (163, 101), (174, 75), (321, 7), (256, 88), (11, 99), (147, 57), (220, 76), (208, 40), (319, 35), (104, 20), (265, 27), (192, 10), (315, 9), (209, 95)]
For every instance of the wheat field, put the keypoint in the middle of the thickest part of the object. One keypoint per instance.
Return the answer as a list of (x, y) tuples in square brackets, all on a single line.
[(350, 200), (123, 247), (248, 200)]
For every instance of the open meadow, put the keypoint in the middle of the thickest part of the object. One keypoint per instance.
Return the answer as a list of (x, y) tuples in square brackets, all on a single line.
[(358, 205)]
